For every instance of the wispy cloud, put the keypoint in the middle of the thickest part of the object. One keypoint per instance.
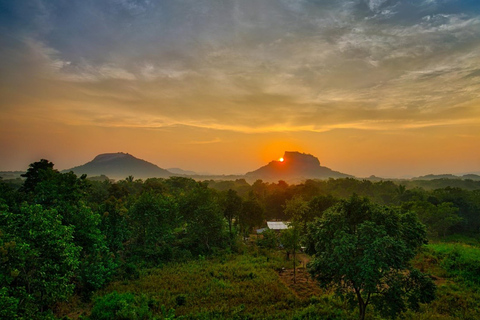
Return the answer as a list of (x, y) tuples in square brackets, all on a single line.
[(216, 140), (242, 66)]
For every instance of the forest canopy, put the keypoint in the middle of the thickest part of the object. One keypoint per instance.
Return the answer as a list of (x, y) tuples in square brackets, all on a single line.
[(64, 236)]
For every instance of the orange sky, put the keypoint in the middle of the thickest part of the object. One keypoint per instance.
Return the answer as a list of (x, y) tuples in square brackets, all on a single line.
[(368, 87)]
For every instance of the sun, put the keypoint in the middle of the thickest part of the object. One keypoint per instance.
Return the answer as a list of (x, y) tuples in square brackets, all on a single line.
[(281, 159)]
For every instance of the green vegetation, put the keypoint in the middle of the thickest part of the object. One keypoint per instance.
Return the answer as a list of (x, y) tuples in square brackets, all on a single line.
[(364, 249), (177, 248), (461, 262), (126, 306), (219, 288)]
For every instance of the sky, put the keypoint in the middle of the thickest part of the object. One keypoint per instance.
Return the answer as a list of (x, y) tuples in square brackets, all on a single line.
[(371, 87)]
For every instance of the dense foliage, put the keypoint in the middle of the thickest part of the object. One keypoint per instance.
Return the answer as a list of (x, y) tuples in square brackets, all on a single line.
[(66, 238), (364, 249)]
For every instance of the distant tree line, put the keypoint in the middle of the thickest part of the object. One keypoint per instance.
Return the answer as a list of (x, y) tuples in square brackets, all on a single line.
[(444, 210)]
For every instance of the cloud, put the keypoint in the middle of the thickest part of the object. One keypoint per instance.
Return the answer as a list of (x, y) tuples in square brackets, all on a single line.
[(374, 5), (216, 140), (244, 66)]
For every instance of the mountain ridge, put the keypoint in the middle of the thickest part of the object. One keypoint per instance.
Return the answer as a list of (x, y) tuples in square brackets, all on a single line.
[(120, 165), (294, 166)]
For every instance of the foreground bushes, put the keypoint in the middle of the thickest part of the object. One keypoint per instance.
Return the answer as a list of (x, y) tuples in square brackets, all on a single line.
[(125, 306), (461, 262)]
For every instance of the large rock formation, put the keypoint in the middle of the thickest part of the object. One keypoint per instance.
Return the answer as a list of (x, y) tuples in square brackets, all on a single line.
[(295, 166), (119, 166)]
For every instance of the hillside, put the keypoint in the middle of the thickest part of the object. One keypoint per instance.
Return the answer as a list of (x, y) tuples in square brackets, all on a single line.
[(447, 176), (182, 172), (119, 166), (295, 166)]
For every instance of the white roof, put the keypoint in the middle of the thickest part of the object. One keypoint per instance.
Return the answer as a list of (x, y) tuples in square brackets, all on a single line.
[(276, 225)]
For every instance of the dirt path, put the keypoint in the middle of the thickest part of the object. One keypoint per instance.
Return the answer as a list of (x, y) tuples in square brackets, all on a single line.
[(304, 287)]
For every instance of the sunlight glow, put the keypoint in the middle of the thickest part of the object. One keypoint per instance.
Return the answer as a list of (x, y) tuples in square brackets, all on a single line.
[(281, 159)]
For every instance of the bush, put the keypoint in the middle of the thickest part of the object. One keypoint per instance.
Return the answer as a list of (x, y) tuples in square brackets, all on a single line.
[(124, 306), (129, 271), (268, 240), (460, 261), (326, 307), (8, 305), (181, 300)]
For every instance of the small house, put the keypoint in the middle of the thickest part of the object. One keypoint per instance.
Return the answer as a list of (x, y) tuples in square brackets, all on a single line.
[(277, 226)]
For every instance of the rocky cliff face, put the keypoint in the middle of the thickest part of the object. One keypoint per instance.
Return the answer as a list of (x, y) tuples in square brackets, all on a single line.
[(295, 166), (300, 160)]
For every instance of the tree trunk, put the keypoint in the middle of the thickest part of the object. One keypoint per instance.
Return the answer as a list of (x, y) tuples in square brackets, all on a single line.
[(362, 311), (294, 267), (361, 305)]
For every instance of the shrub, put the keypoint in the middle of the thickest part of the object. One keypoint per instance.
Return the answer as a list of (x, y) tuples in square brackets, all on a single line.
[(460, 261), (124, 306), (268, 240), (181, 300), (324, 307)]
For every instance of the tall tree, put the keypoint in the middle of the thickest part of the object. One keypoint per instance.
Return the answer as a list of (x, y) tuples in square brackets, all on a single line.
[(439, 219), (37, 262), (319, 204), (65, 193), (232, 206), (205, 226), (362, 248), (297, 209), (36, 173), (152, 219), (252, 214), (290, 239)]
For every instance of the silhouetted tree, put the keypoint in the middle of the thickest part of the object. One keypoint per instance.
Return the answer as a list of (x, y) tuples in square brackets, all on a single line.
[(37, 172)]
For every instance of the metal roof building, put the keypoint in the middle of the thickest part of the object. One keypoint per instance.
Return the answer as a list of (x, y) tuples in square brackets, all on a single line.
[(277, 225)]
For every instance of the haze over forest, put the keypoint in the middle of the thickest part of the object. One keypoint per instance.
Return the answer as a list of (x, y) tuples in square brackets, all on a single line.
[(370, 87)]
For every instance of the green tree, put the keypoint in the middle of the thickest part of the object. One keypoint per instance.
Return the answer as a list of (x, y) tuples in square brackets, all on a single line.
[(319, 204), (363, 250), (290, 239), (114, 223), (153, 219), (232, 206), (48, 187), (65, 193), (97, 264), (37, 262), (204, 223), (268, 239), (9, 194), (297, 209), (439, 219), (252, 215), (36, 173)]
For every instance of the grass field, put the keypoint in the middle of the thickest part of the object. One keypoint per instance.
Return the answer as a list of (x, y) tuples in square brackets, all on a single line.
[(259, 285)]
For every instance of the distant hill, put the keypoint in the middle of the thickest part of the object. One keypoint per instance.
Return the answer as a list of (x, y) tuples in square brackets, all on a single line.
[(448, 176), (11, 174), (295, 166), (181, 171), (119, 166), (436, 176), (471, 176)]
